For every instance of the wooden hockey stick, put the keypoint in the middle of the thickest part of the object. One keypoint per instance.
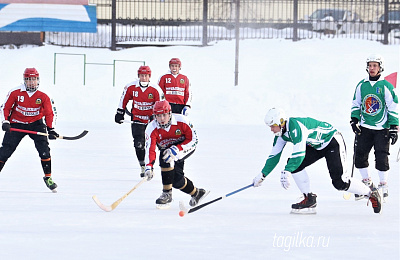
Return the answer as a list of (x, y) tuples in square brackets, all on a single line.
[(115, 204), (185, 210), (46, 134)]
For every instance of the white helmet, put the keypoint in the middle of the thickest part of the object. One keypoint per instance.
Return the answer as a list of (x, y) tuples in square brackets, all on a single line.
[(275, 116), (376, 58)]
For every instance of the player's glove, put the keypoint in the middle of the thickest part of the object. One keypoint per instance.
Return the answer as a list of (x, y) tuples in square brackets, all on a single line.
[(258, 180), (119, 116), (355, 126), (170, 155), (393, 134), (52, 133), (285, 179), (185, 111), (148, 172), (6, 126)]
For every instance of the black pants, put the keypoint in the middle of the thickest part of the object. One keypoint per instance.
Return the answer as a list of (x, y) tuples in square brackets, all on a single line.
[(379, 139), (177, 176), (138, 131), (12, 139), (334, 160), (177, 108)]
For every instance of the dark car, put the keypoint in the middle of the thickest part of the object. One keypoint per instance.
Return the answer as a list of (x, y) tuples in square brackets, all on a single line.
[(393, 22)]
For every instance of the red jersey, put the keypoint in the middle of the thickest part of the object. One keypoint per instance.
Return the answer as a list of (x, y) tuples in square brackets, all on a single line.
[(180, 133), (176, 88), (26, 107), (143, 100)]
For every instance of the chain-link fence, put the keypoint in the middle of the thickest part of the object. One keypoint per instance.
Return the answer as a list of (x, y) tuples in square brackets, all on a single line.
[(198, 22)]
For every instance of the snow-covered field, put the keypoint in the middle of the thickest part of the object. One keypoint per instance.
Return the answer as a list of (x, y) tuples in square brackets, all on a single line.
[(307, 78)]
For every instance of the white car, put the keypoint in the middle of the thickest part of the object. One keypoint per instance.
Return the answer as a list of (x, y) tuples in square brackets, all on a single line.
[(335, 21)]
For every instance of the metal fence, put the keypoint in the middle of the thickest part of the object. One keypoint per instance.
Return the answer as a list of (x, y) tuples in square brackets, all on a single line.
[(123, 23)]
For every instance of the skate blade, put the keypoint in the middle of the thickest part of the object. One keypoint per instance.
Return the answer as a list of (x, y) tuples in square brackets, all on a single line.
[(359, 197), (383, 197), (54, 191), (163, 206), (305, 211)]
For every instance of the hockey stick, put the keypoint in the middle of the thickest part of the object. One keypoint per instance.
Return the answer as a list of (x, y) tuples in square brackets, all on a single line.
[(185, 210), (115, 204), (46, 134), (398, 156), (347, 195)]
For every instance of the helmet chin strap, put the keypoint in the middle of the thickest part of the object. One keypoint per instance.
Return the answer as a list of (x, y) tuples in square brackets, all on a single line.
[(144, 84)]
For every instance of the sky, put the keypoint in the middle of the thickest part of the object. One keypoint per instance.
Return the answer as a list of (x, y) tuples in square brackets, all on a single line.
[(315, 77)]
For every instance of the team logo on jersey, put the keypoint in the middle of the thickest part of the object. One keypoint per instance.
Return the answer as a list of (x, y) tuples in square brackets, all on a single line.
[(372, 104), (182, 81), (38, 101), (151, 96), (178, 132)]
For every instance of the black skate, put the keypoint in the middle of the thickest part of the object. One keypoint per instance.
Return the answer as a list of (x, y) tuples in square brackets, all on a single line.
[(375, 199), (368, 182), (306, 206), (165, 199), (142, 169), (198, 196), (50, 184)]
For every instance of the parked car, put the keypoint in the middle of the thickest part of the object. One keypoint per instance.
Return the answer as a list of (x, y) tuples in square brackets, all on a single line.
[(335, 20), (393, 22)]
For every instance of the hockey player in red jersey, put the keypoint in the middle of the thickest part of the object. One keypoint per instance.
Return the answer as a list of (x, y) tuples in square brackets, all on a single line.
[(143, 94), (24, 108), (176, 139), (176, 88)]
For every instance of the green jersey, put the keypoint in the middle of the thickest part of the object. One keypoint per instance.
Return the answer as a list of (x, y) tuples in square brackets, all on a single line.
[(302, 132), (375, 104)]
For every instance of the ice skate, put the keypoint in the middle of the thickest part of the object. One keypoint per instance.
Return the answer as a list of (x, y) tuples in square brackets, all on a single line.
[(50, 184), (375, 199), (198, 196), (368, 182), (142, 170), (383, 190), (306, 206), (164, 201)]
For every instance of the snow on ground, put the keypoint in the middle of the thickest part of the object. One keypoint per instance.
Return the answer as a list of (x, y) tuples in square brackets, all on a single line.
[(307, 78)]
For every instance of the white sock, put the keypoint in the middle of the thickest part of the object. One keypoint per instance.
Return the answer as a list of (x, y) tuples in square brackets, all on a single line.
[(383, 176), (302, 181), (357, 187), (364, 173)]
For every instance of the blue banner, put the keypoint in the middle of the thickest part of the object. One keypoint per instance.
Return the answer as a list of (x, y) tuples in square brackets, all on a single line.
[(48, 18)]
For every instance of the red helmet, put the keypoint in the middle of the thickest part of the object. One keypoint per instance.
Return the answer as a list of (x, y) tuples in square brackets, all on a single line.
[(144, 70), (175, 61), (161, 107), (30, 73)]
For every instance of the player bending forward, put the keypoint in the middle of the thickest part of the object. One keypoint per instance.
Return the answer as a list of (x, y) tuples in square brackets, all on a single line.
[(312, 140), (176, 139)]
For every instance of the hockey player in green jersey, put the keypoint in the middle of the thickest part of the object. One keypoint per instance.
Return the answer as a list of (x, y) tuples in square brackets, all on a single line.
[(312, 140), (375, 121)]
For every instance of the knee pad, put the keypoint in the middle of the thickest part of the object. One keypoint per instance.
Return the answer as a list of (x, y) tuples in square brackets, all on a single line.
[(381, 161), (339, 184), (139, 144), (179, 182)]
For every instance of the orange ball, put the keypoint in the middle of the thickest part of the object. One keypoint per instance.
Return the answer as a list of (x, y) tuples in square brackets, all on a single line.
[(181, 213)]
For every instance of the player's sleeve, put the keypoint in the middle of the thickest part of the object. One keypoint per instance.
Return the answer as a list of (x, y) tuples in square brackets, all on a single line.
[(356, 103), (392, 101), (151, 143), (274, 156), (191, 139), (7, 106), (49, 112), (125, 97), (161, 95), (188, 93)]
